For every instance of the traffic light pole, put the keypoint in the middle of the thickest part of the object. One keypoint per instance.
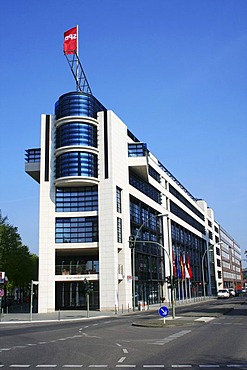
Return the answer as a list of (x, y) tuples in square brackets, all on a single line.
[(88, 289), (87, 304)]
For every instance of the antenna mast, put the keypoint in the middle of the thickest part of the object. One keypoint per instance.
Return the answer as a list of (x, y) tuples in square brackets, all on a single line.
[(70, 48)]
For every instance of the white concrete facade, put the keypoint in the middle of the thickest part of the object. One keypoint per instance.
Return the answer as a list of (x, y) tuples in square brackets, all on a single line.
[(188, 227)]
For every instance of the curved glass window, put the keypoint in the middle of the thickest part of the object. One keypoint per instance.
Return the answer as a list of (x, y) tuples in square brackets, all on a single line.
[(78, 104), (77, 164), (76, 133)]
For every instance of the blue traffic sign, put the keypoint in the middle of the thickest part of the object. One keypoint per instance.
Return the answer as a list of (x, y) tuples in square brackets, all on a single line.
[(163, 311)]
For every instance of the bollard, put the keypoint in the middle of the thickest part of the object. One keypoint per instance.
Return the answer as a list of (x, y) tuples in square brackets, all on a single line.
[(115, 309), (122, 308), (58, 315)]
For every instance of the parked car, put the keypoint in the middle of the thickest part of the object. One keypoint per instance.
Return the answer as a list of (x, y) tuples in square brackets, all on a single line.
[(223, 293), (232, 292)]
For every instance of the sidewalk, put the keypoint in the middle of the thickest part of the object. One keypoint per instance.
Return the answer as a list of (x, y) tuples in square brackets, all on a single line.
[(180, 319)]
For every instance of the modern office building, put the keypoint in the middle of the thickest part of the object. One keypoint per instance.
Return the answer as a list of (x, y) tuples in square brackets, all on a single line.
[(231, 261), (99, 185)]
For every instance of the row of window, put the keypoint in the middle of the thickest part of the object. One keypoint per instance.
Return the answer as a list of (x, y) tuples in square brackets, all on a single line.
[(77, 164), (137, 149), (182, 199), (142, 214), (76, 133), (144, 187), (81, 199), (78, 104), (176, 210), (76, 230)]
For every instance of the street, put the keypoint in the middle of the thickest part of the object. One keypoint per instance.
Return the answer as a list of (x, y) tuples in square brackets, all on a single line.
[(205, 342)]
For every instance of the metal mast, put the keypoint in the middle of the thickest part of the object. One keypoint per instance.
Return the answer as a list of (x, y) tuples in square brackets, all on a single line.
[(78, 73), (70, 48)]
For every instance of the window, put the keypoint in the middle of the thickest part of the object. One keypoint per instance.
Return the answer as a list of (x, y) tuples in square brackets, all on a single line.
[(76, 229), (118, 199), (119, 230), (81, 199), (144, 187), (78, 104), (137, 150), (77, 164), (76, 133), (154, 174)]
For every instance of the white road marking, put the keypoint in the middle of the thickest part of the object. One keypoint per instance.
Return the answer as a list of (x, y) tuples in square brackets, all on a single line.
[(172, 337), (205, 319), (73, 366), (181, 365), (5, 349), (210, 365), (159, 366), (15, 365), (122, 359), (125, 350)]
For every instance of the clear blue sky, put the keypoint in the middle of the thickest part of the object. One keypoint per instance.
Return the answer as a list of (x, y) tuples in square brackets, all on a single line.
[(175, 71)]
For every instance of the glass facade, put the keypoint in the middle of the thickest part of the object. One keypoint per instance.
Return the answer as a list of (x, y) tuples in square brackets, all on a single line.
[(72, 296), (78, 104), (81, 199), (76, 230), (144, 187), (76, 133), (149, 258), (77, 164), (137, 150)]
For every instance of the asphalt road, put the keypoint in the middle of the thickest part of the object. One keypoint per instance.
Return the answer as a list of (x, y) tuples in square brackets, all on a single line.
[(214, 336)]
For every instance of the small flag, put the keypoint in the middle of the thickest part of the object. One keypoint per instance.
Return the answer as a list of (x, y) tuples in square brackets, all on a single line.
[(189, 268), (174, 264), (186, 272), (70, 41), (179, 275), (182, 267)]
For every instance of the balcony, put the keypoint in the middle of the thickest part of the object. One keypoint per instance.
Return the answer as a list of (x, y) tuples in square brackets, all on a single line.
[(32, 165), (74, 270)]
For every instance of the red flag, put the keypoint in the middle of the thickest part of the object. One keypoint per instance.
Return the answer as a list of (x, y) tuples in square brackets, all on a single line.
[(70, 41), (189, 268)]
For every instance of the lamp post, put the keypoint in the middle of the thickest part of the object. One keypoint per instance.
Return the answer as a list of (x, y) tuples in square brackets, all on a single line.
[(170, 268), (132, 245), (210, 248)]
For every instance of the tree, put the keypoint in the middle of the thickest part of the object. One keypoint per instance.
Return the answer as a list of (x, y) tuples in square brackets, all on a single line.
[(16, 261)]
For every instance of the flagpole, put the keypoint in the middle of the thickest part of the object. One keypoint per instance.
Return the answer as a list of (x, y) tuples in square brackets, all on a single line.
[(77, 52)]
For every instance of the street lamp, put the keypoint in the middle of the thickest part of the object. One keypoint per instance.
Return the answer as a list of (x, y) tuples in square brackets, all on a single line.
[(170, 268), (208, 249), (132, 245)]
